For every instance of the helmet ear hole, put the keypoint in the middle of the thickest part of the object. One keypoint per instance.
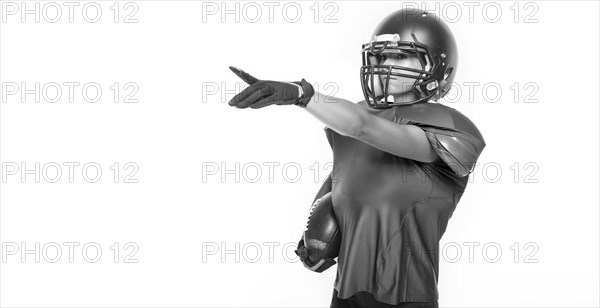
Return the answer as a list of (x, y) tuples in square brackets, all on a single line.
[(448, 72)]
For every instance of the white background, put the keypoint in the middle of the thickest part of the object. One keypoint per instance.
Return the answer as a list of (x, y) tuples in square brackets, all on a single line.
[(182, 124)]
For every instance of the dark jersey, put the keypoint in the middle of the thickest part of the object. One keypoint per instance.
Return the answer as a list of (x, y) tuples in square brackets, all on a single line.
[(393, 211)]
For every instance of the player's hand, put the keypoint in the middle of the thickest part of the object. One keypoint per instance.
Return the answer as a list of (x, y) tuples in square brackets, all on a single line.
[(262, 93), (320, 266)]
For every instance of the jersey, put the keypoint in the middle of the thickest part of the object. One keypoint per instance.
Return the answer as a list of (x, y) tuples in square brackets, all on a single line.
[(393, 211)]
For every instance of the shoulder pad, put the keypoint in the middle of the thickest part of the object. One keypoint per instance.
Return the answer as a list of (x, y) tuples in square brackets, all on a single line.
[(453, 136), (438, 115)]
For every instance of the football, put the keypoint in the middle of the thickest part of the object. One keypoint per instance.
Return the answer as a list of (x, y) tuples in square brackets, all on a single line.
[(322, 237)]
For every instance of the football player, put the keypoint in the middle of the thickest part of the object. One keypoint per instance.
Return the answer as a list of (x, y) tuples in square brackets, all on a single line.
[(402, 160)]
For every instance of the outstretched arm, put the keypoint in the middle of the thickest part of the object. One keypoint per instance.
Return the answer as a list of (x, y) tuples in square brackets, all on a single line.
[(349, 119), (342, 116)]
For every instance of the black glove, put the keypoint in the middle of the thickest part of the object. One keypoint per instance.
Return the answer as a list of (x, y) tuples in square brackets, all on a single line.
[(318, 267), (262, 93)]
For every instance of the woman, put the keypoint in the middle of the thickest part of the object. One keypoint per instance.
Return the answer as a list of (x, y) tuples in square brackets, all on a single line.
[(401, 161)]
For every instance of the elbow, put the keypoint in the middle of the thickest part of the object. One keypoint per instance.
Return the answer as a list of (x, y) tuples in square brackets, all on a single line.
[(356, 129)]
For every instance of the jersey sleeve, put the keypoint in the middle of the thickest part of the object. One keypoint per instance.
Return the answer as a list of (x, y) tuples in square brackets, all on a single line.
[(459, 150)]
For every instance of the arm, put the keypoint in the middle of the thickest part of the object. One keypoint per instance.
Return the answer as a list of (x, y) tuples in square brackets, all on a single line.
[(351, 120), (344, 117)]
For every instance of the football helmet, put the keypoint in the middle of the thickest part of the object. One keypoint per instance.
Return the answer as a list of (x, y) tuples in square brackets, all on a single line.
[(416, 33)]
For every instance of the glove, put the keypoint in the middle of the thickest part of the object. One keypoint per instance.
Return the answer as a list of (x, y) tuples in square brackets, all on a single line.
[(319, 266), (262, 93)]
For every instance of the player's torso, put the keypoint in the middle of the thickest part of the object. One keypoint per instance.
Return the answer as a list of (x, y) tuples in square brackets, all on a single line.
[(370, 176), (392, 211)]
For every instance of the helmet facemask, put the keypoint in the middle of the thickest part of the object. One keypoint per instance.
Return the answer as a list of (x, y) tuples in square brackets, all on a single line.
[(373, 74)]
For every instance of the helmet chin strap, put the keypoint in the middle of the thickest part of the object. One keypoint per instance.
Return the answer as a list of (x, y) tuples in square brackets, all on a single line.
[(406, 98), (397, 99)]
